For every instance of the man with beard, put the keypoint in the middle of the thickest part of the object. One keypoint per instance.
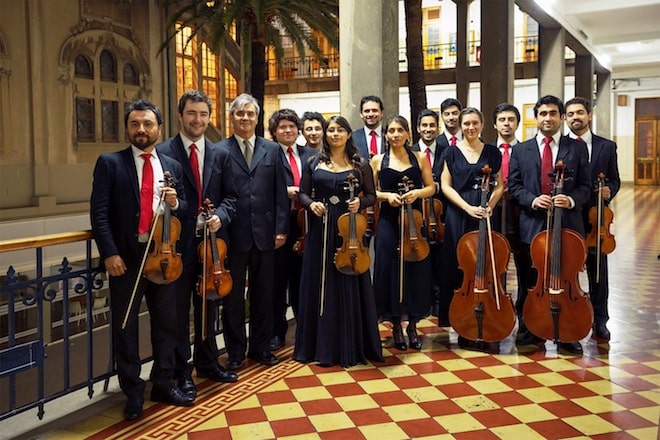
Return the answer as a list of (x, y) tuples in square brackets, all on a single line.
[(429, 144), (126, 193), (450, 108), (207, 175), (603, 159), (369, 139)]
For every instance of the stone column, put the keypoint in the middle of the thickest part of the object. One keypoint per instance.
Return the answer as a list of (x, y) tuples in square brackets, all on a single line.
[(584, 76), (603, 108), (497, 63), (462, 83), (369, 61), (552, 43)]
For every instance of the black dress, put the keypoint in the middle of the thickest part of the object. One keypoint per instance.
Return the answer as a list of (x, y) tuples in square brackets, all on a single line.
[(418, 278), (465, 179), (347, 332)]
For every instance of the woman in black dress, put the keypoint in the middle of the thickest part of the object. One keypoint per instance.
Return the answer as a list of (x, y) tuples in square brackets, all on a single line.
[(412, 300), (337, 321), (461, 174)]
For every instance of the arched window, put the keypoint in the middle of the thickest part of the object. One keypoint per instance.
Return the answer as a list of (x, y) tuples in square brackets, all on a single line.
[(83, 67), (108, 67)]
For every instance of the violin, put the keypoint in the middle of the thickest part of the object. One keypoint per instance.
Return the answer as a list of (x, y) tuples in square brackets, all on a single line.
[(481, 310), (163, 264), (352, 258), (432, 212), (600, 218), (557, 308), (414, 246), (299, 245), (215, 281)]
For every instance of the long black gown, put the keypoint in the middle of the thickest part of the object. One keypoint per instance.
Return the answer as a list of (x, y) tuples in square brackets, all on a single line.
[(347, 332), (418, 285), (465, 179)]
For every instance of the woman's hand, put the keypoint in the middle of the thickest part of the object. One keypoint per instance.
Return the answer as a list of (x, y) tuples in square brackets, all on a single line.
[(317, 208), (394, 199), (353, 205)]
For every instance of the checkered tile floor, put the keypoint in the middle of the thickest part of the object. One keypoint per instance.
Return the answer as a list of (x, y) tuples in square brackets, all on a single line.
[(444, 392)]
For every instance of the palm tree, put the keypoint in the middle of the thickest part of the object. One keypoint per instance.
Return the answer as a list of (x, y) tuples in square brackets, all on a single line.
[(260, 24), (416, 80)]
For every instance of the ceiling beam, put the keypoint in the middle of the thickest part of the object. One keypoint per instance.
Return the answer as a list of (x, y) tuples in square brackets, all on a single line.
[(593, 6), (627, 38)]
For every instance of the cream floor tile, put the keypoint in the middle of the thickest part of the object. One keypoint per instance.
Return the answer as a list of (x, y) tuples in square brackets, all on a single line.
[(455, 423), (645, 433), (280, 385), (425, 394), (652, 395), (218, 421), (559, 365), (383, 430), (489, 386), (516, 432), (650, 413), (399, 371), (609, 372), (283, 411), (441, 378), (500, 371), (550, 379), (311, 393), (250, 402), (591, 424), (530, 413), (253, 431), (598, 404), (378, 386), (331, 422), (408, 411), (541, 394), (456, 364), (310, 436), (603, 387), (354, 403), (475, 403), (335, 378)]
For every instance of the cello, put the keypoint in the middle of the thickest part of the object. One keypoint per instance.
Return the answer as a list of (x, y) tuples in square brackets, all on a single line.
[(352, 258), (299, 245), (600, 218), (481, 310), (556, 307)]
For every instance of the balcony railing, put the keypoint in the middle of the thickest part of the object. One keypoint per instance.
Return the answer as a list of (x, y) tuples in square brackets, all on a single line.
[(436, 56)]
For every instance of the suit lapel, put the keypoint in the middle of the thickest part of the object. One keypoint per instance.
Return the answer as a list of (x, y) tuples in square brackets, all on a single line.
[(209, 158), (259, 152), (129, 166), (237, 155)]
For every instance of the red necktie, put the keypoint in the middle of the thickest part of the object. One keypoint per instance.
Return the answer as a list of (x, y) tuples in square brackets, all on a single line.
[(546, 167), (452, 141), (146, 195), (578, 138), (373, 147), (505, 162), (194, 164), (295, 172), (428, 156)]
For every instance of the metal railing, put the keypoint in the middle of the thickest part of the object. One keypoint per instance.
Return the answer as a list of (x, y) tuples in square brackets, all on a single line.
[(41, 337), (436, 56)]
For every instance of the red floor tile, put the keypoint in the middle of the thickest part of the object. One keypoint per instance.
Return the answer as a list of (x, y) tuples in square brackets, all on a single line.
[(509, 398), (495, 417), (244, 416), (342, 434), (458, 390), (564, 408), (441, 408), (409, 382), (421, 428), (631, 400), (321, 406), (626, 420), (370, 416), (344, 389), (275, 397), (554, 429), (573, 390), (391, 398), (296, 426)]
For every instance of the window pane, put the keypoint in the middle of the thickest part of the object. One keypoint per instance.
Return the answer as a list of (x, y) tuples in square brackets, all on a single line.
[(83, 67), (108, 67), (85, 119), (130, 75), (109, 121)]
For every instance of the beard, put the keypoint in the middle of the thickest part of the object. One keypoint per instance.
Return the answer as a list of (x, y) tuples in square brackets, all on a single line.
[(142, 141)]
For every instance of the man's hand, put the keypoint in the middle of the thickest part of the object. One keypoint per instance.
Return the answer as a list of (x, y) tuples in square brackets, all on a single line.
[(115, 266)]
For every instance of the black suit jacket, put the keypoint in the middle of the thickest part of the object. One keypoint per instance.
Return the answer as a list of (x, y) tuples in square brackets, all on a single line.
[(304, 152), (525, 184), (218, 185), (262, 208), (360, 142), (115, 203), (604, 160)]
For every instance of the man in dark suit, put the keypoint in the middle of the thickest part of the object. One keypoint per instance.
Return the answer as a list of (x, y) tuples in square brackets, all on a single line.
[(207, 174), (450, 108), (259, 227), (603, 159), (369, 139), (284, 126), (506, 118), (525, 186), (427, 127), (126, 195)]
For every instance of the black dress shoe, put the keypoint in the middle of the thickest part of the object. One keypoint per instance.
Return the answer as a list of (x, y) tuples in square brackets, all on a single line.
[(276, 343), (601, 332), (570, 347), (397, 335), (217, 374), (527, 338), (133, 409), (265, 358), (413, 339), (171, 396), (234, 364), (187, 385)]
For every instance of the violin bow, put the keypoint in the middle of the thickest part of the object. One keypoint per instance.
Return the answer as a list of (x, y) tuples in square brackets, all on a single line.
[(203, 284), (599, 220), (144, 259), (492, 261), (325, 259)]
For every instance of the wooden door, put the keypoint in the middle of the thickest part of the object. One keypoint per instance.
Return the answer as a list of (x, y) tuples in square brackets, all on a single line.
[(647, 154)]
